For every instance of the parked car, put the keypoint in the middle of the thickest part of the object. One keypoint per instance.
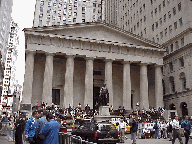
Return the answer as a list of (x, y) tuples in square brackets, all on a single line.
[(97, 132)]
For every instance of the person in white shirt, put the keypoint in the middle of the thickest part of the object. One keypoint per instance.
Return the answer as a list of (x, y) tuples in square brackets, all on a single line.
[(176, 132), (163, 126), (121, 128)]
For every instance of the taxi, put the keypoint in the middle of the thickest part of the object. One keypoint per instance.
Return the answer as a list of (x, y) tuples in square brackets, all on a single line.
[(116, 123)]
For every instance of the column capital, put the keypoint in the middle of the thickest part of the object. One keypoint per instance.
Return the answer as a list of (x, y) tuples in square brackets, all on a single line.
[(108, 60), (70, 56), (49, 54), (30, 52), (143, 64), (126, 62), (89, 58), (157, 65)]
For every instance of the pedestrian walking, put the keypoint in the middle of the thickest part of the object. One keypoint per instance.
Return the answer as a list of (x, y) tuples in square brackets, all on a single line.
[(40, 125), (170, 129), (133, 131), (5, 124), (156, 127), (30, 128), (121, 128), (51, 131), (187, 126), (176, 130), (164, 129), (19, 129)]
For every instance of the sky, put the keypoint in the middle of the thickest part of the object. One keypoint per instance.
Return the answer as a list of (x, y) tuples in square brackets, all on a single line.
[(23, 14)]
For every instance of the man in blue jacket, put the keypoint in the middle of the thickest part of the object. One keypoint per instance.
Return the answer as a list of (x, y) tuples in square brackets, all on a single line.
[(31, 127), (51, 130), (187, 126)]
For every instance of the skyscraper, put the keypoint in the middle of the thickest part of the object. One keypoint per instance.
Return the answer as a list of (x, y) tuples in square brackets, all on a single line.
[(5, 19), (167, 22), (59, 12), (9, 70)]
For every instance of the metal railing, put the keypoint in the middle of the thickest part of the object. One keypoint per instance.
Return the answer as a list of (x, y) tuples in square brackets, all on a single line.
[(65, 138)]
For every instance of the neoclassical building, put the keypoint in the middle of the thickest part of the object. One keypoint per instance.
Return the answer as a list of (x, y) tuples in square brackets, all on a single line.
[(69, 64)]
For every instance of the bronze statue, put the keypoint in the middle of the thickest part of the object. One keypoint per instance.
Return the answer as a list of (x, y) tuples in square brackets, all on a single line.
[(103, 96)]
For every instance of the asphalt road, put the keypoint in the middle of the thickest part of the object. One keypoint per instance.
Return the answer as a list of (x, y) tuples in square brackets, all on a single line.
[(154, 141)]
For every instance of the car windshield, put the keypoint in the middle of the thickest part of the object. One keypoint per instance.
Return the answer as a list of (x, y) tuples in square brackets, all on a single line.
[(106, 127)]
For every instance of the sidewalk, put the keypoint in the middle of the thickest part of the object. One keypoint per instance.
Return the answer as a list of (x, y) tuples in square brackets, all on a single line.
[(4, 140)]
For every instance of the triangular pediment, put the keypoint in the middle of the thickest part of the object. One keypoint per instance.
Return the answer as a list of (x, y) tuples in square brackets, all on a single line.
[(96, 31)]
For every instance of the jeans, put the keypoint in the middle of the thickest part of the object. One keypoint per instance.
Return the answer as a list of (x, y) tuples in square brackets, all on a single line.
[(186, 134), (157, 134), (176, 134)]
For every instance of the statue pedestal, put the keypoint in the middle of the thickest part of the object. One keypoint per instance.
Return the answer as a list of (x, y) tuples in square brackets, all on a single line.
[(103, 114), (104, 111)]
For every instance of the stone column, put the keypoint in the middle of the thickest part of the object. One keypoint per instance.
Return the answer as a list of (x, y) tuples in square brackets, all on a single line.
[(126, 86), (144, 102), (158, 87), (89, 83), (109, 79), (47, 83), (68, 88), (28, 80)]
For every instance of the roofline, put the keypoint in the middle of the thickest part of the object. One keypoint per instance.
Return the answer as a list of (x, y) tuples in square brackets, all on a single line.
[(57, 27)]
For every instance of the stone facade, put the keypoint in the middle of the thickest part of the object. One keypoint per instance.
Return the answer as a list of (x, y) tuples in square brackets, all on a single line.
[(78, 59)]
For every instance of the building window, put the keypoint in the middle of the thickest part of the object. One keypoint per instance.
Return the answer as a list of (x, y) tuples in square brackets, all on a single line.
[(170, 29), (172, 84), (174, 11), (42, 3), (176, 45), (169, 14), (151, 13), (182, 41), (183, 80), (137, 24), (156, 11), (179, 6), (161, 34), (159, 8), (156, 24), (175, 25), (144, 6), (180, 22), (160, 21), (145, 30), (153, 39), (151, 1), (163, 3), (167, 50), (157, 36), (144, 18), (141, 34), (166, 32), (170, 66), (153, 27), (41, 9), (165, 18), (140, 9), (181, 61), (168, 1), (171, 47), (134, 28)]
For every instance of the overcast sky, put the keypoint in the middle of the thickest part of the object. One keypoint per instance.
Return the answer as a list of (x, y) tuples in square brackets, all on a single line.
[(23, 14)]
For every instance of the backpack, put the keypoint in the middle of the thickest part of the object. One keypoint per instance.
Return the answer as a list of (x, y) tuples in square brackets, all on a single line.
[(169, 128)]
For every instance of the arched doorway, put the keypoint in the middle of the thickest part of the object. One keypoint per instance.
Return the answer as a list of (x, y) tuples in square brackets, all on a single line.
[(172, 107), (184, 109)]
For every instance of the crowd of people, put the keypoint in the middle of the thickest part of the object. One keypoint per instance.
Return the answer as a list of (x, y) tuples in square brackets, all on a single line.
[(46, 122)]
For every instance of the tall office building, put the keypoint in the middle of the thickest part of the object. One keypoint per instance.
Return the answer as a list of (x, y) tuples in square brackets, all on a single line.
[(9, 80), (59, 12), (5, 19), (167, 22)]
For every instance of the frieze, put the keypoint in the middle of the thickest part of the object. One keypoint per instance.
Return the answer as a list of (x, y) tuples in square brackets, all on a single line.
[(46, 41)]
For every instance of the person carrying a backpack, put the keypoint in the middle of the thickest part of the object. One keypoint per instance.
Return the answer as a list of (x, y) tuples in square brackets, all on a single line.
[(187, 126), (169, 129), (156, 127)]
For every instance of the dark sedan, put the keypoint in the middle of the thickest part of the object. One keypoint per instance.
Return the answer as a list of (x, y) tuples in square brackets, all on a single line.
[(101, 132)]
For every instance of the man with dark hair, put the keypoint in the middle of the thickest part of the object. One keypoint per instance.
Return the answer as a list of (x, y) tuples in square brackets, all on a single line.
[(187, 126), (176, 130), (31, 127), (51, 130), (19, 129), (41, 124)]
